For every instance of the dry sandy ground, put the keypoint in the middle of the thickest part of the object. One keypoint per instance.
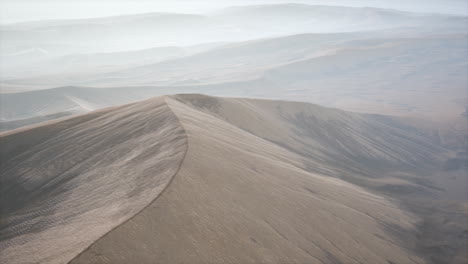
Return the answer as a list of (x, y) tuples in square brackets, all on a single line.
[(67, 183), (248, 181)]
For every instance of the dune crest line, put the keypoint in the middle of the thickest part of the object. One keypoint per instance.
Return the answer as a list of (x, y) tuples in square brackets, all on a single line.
[(241, 198), (98, 171), (154, 200)]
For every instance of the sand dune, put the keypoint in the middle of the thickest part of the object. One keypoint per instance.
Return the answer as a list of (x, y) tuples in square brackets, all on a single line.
[(67, 183), (85, 63), (420, 76), (252, 181)]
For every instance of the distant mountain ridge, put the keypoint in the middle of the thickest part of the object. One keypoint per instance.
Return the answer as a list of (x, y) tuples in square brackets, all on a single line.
[(346, 70), (234, 24)]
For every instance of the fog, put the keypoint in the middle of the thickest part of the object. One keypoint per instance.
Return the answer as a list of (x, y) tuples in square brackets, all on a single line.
[(361, 101), (13, 11), (340, 55)]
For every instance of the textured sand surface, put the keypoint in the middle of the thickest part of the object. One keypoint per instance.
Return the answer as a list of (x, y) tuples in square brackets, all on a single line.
[(67, 183), (239, 198), (199, 179)]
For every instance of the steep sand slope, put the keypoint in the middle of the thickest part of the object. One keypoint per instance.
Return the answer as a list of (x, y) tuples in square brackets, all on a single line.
[(252, 181), (360, 148), (239, 198), (67, 183)]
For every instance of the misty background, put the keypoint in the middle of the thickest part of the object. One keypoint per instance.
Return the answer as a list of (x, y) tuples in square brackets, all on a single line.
[(13, 11), (398, 68), (405, 58)]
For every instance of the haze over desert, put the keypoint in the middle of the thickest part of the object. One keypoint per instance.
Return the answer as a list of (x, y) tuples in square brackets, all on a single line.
[(234, 132)]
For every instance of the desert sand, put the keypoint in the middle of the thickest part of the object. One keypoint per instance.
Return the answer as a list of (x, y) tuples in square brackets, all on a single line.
[(199, 179), (67, 183)]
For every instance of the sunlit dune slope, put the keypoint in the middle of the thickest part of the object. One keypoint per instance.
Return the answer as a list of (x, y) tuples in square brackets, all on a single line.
[(198, 179), (241, 198), (65, 184)]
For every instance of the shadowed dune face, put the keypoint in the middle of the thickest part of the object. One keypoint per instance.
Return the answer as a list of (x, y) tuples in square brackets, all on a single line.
[(67, 183), (253, 181), (349, 146), (241, 198), (330, 141)]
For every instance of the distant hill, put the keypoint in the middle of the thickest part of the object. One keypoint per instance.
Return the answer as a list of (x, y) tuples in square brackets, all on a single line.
[(418, 76), (233, 24)]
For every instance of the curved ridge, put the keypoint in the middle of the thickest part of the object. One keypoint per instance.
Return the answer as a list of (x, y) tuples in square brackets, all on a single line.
[(154, 200), (234, 194), (119, 153), (236, 199)]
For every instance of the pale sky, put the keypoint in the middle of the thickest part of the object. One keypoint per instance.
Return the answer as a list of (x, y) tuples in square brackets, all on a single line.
[(12, 11)]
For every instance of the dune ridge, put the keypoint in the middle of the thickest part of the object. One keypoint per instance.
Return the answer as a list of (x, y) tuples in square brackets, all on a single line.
[(56, 203), (247, 181), (175, 228)]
